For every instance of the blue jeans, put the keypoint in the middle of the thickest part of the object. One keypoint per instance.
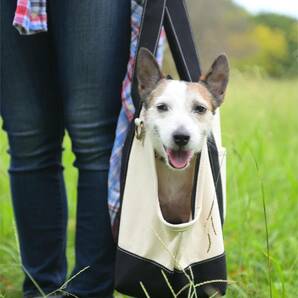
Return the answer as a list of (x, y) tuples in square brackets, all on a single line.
[(69, 78)]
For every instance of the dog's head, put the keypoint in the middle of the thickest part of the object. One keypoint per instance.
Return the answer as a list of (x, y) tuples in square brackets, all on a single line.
[(178, 115)]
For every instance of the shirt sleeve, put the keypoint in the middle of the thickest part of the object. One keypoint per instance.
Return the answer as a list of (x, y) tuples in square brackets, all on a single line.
[(30, 16)]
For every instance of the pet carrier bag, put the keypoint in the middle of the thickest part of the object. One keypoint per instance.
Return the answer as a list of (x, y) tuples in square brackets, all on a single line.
[(155, 258)]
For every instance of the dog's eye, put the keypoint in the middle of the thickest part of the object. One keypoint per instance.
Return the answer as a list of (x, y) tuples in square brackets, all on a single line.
[(199, 109), (162, 107)]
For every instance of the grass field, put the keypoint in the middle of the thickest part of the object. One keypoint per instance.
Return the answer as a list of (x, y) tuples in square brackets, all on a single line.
[(260, 131)]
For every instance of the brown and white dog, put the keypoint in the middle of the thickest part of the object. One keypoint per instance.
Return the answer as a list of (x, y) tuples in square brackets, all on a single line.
[(178, 118)]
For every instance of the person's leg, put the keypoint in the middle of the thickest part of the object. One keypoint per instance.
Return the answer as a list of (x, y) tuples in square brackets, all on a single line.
[(31, 112), (92, 46)]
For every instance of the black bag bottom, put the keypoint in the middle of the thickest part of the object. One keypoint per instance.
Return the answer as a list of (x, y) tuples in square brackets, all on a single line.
[(132, 269)]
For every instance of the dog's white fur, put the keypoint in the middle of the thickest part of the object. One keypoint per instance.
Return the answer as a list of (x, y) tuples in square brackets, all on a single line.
[(161, 126), (181, 104)]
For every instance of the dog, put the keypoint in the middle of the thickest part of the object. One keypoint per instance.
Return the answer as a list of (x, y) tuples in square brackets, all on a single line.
[(178, 118)]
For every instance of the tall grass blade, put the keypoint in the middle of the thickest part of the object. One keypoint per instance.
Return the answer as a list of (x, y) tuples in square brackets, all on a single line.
[(168, 284), (39, 289), (265, 221), (61, 289), (144, 290)]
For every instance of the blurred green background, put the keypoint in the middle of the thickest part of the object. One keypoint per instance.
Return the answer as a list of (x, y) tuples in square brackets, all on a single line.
[(260, 132), (266, 42)]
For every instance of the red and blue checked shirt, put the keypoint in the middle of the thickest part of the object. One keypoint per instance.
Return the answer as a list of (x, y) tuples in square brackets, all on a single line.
[(31, 17)]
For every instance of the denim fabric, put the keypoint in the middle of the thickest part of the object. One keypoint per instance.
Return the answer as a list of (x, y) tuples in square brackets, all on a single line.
[(69, 78)]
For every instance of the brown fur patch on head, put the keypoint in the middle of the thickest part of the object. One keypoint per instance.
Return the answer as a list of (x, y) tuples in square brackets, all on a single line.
[(156, 93), (204, 93)]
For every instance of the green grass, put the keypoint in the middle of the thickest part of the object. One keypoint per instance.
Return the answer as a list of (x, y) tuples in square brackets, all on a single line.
[(259, 125)]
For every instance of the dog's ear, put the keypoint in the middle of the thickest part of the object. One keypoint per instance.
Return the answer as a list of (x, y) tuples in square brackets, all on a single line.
[(217, 79), (148, 72)]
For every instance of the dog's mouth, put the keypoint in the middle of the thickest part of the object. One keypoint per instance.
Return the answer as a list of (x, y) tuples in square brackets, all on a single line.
[(178, 159)]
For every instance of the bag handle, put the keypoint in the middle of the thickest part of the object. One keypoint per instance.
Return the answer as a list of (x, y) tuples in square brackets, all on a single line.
[(181, 42)]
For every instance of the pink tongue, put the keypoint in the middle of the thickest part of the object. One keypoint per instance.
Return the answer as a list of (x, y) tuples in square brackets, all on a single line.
[(179, 158)]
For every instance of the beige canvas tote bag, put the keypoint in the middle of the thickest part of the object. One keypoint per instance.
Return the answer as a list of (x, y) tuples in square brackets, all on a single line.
[(155, 258)]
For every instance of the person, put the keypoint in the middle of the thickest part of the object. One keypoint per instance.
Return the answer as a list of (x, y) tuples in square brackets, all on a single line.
[(66, 79)]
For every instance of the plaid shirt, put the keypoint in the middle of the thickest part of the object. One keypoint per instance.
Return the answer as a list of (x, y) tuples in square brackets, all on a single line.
[(31, 17)]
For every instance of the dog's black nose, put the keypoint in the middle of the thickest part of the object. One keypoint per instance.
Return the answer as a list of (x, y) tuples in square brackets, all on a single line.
[(181, 139)]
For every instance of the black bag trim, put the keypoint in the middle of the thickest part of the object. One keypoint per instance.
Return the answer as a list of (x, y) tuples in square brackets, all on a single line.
[(142, 270), (163, 267)]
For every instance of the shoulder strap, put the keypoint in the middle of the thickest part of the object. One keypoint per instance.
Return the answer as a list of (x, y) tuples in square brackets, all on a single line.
[(181, 42)]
